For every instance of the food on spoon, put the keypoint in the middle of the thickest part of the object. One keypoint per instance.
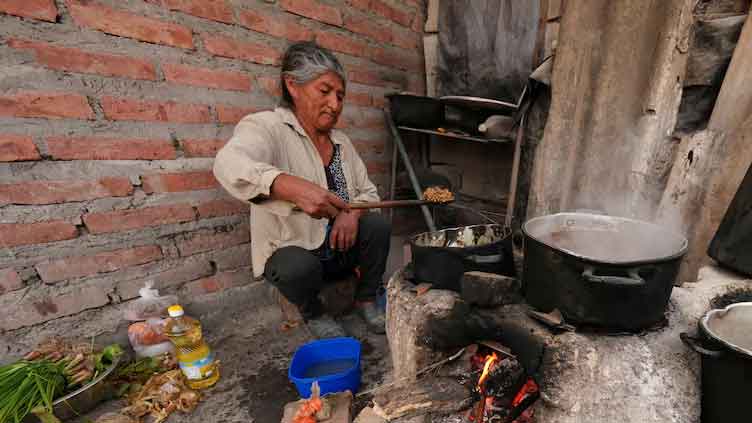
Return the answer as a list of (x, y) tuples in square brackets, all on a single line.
[(438, 195)]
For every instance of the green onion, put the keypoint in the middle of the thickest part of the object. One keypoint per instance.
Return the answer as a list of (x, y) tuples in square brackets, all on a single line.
[(27, 386)]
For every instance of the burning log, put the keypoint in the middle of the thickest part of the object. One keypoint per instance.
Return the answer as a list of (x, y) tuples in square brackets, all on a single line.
[(429, 395)]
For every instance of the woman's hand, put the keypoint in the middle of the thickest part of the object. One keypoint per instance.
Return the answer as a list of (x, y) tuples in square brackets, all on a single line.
[(309, 197), (345, 230)]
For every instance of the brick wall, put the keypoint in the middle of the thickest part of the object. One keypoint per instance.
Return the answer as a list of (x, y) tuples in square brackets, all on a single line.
[(111, 112)]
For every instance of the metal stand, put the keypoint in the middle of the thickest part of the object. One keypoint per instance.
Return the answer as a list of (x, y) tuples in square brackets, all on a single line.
[(400, 146)]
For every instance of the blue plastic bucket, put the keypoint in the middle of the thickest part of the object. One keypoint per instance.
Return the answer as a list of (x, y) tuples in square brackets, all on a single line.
[(316, 355)]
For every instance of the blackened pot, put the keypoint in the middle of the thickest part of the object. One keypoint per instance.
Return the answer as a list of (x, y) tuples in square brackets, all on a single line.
[(726, 350), (605, 271), (441, 257)]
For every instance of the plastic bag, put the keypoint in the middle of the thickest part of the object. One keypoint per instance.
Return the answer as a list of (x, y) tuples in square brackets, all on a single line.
[(148, 338), (149, 305)]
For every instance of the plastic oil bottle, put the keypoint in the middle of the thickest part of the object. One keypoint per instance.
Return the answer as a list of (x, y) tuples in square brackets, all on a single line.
[(194, 356)]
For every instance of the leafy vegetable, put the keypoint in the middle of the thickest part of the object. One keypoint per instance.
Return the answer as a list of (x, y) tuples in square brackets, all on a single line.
[(26, 385)]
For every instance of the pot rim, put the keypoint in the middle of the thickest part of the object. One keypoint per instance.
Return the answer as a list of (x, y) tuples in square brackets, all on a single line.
[(680, 253), (413, 238), (707, 331)]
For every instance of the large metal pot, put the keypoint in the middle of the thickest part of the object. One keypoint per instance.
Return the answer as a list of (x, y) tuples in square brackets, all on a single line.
[(601, 270), (726, 350), (441, 257)]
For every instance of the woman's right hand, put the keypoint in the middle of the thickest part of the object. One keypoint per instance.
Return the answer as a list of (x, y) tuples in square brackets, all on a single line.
[(315, 201)]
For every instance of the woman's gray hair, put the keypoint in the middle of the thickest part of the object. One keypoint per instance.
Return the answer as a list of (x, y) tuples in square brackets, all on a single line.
[(304, 62)]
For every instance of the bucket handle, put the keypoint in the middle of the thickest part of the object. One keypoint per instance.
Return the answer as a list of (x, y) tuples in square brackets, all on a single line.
[(634, 279), (694, 344)]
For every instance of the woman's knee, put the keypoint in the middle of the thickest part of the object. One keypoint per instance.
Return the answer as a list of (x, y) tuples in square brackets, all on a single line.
[(375, 224), (291, 264)]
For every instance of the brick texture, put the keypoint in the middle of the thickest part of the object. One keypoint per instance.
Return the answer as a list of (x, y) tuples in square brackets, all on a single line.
[(75, 60), (234, 49), (274, 25), (216, 10), (14, 148), (9, 281), (219, 208), (218, 282), (93, 15), (110, 261), (203, 77), (129, 109), (94, 148), (15, 234), (45, 104), (313, 9), (126, 220), (52, 192), (178, 182), (119, 108), (201, 242), (201, 148), (36, 9), (231, 114)]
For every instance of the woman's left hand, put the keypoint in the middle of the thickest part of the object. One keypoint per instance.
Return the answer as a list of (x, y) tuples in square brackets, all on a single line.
[(345, 230)]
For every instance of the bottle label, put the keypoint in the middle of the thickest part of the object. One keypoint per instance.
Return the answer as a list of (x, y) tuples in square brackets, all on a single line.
[(198, 369)]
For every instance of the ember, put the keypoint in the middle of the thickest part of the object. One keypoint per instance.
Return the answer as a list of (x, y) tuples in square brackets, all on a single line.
[(504, 389)]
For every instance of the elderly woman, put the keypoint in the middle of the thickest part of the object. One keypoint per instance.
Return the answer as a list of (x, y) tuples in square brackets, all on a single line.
[(300, 174)]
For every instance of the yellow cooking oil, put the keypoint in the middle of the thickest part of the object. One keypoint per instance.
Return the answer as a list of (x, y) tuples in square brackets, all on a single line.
[(195, 358)]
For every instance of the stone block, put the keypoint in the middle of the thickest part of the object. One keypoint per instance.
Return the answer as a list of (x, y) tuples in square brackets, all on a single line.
[(489, 289)]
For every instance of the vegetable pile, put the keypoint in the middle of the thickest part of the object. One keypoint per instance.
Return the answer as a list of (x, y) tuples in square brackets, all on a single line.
[(54, 367)]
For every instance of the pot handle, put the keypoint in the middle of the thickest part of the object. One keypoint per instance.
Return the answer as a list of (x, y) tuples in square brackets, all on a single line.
[(694, 345), (634, 279), (496, 258)]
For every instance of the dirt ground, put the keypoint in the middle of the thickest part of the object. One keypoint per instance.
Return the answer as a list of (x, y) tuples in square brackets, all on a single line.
[(254, 354)]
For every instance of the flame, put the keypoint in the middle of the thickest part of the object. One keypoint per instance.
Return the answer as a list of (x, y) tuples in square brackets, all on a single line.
[(490, 360)]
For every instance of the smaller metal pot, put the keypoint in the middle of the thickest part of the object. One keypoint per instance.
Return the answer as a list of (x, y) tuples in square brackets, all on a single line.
[(726, 351), (416, 111), (441, 257)]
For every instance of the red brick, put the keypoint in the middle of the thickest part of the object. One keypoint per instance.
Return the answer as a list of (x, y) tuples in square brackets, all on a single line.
[(396, 59), (93, 148), (230, 114), (201, 148), (216, 10), (407, 41), (16, 148), (358, 98), (314, 10), (342, 43), (110, 261), (36, 309), (379, 101), (274, 25), (36, 9), (53, 192), (219, 208), (111, 21), (126, 220), (9, 281), (419, 21), (75, 60), (14, 234), (234, 49), (45, 104), (369, 147), (364, 5), (366, 26), (203, 77), (206, 241), (369, 77), (218, 282), (270, 85), (178, 182), (383, 9), (129, 109)]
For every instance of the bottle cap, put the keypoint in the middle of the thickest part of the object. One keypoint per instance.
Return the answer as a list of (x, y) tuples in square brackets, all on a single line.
[(175, 310)]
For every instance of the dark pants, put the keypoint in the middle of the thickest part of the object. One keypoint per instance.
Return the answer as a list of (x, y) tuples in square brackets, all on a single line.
[(299, 274)]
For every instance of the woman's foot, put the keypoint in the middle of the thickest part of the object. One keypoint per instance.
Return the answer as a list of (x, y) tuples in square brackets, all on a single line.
[(373, 315), (325, 326)]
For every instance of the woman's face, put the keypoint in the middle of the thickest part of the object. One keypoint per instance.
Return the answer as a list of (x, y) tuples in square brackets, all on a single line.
[(318, 103)]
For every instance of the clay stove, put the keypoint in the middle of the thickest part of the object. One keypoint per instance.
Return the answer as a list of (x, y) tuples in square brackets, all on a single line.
[(580, 375)]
